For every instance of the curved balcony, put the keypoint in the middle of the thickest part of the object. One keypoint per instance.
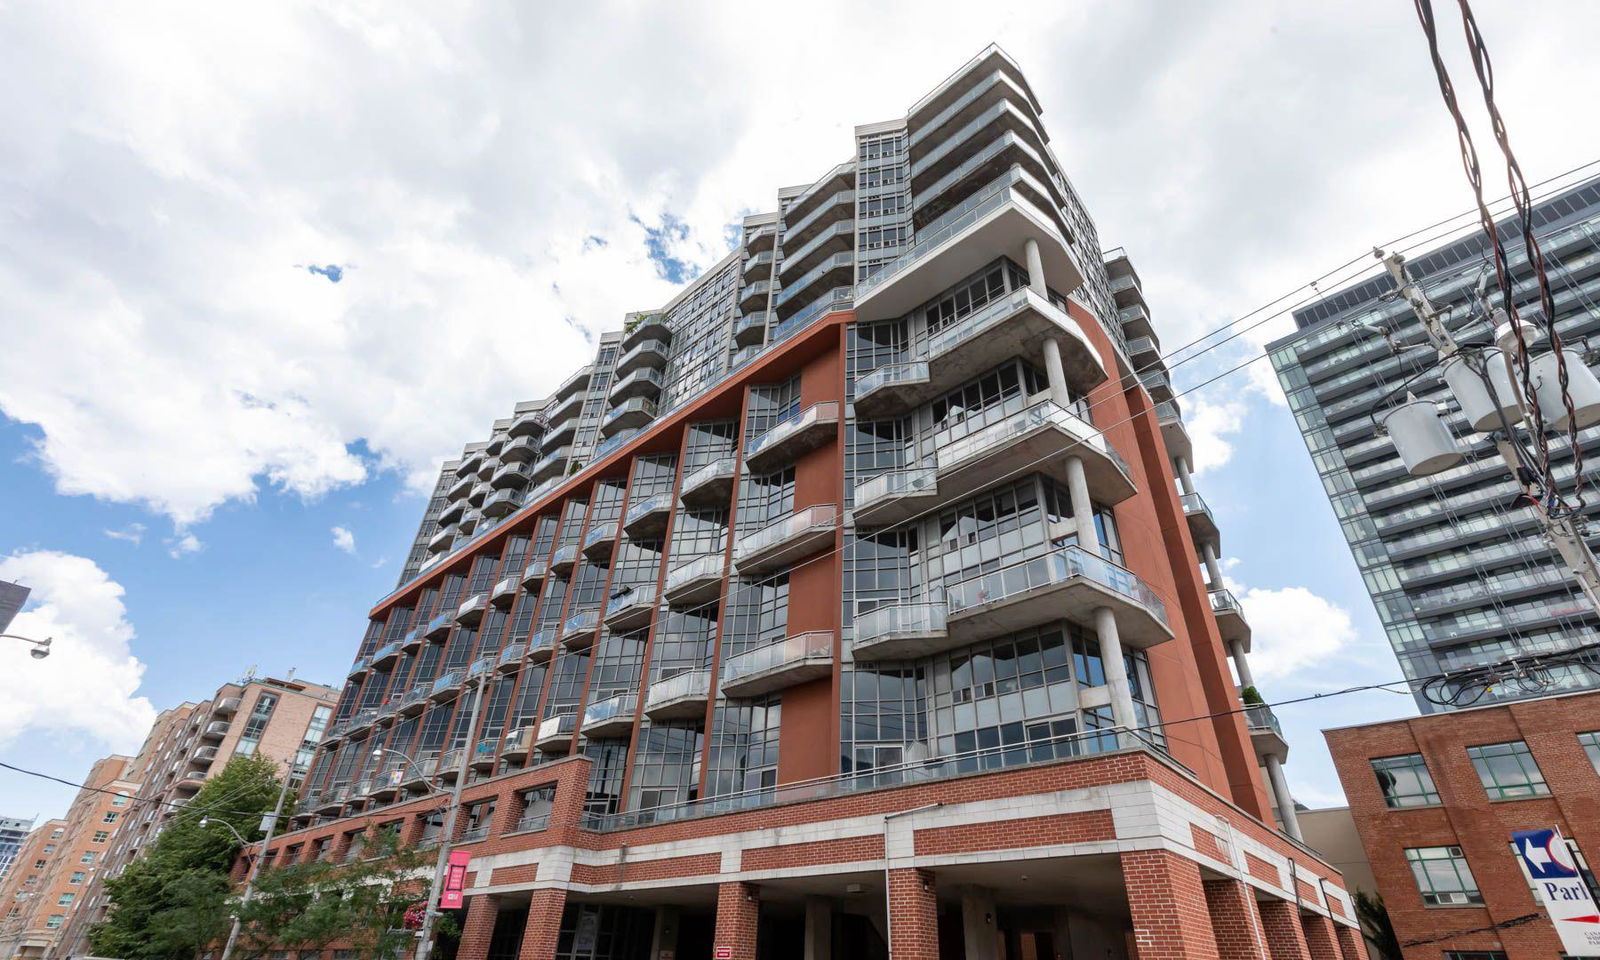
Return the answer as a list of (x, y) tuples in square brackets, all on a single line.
[(386, 655), (461, 486), (483, 755), (1230, 619), (579, 630), (412, 641), (643, 355), (552, 465), (471, 611), (836, 238), (631, 609), (564, 559), (895, 496), (830, 210), (1129, 296), (510, 658), (761, 238), (840, 177), (443, 538), (1173, 433), (1038, 438), (799, 432), (696, 582), (646, 382), (1266, 736), (754, 296), (789, 539), (470, 521), (576, 383), (892, 389), (358, 669), (503, 503), (1135, 319), (830, 273), (777, 666), (554, 734), (529, 425), (611, 717), (469, 464), (750, 330), (1144, 352), (1202, 525), (518, 744), (1158, 384), (480, 492), (439, 627), (448, 769), (645, 326), (487, 468), (445, 686), (227, 706), (535, 571), (600, 541), (647, 519), (415, 700), (204, 755), (541, 644), (682, 696), (901, 631), (563, 422), (452, 512), (1069, 583), (629, 415), (512, 475), (710, 485), (504, 593)]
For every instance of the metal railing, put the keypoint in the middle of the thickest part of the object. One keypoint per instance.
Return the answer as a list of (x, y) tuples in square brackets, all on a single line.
[(795, 524), (689, 683), (815, 645), (1223, 601), (914, 618), (1056, 567), (792, 423)]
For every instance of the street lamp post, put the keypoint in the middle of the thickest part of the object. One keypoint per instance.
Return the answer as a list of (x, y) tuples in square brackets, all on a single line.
[(255, 865), (41, 648), (446, 838)]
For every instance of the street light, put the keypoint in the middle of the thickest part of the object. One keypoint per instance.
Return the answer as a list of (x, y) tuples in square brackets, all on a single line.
[(269, 826), (424, 775), (41, 648), (207, 821)]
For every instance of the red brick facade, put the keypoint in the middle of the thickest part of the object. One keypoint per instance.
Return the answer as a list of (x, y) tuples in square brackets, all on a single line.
[(1171, 919)]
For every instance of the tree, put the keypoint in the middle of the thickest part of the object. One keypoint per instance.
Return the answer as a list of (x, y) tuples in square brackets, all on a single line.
[(1375, 923), (359, 903), (171, 902), (1251, 697)]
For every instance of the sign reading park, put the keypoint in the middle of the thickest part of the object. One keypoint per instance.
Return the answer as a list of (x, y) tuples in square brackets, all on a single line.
[(1561, 887)]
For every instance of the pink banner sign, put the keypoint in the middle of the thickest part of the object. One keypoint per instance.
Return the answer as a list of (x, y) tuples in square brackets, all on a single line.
[(455, 880)]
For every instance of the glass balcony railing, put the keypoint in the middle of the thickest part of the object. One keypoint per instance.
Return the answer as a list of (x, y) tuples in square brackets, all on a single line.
[(784, 663), (612, 716), (787, 539), (536, 570), (695, 580), (709, 484), (444, 685), (896, 485), (680, 696), (635, 412), (632, 607), (839, 298), (556, 731), (648, 516), (1144, 615), (906, 626), (580, 627), (891, 374), (800, 430), (613, 442), (541, 643)]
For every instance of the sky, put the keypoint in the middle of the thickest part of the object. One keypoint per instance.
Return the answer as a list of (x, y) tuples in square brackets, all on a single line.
[(262, 268)]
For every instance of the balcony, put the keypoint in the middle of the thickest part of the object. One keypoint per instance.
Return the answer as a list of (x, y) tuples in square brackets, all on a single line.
[(552, 464), (1135, 321), (1173, 432), (579, 630), (645, 326), (781, 543), (611, 717), (1144, 352), (204, 754), (469, 522), (563, 422), (386, 655), (576, 383), (754, 296), (487, 469), (1038, 437), (535, 571), (892, 389), (696, 582), (359, 668), (1230, 619), (442, 538), (930, 129), (439, 627), (361, 720), (449, 768), (555, 733), (600, 541), (1202, 525), (333, 800), (415, 700), (1127, 292), (646, 382), (564, 559), (510, 658), (682, 696), (837, 238), (632, 608), (518, 744), (504, 593), (412, 641), (613, 442), (387, 782), (831, 272), (777, 666), (750, 330), (901, 631), (215, 730), (483, 755), (799, 432), (541, 644), (629, 415), (452, 513), (833, 208), (481, 667), (1069, 583), (445, 686), (841, 176), (710, 485), (895, 496), (1158, 384), (761, 238), (480, 493), (1266, 736), (647, 519), (645, 354), (1000, 223), (529, 424), (462, 486), (469, 464), (471, 611)]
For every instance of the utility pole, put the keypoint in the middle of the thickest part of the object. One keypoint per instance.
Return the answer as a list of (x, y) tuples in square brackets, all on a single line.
[(447, 837), (255, 865), (1561, 532)]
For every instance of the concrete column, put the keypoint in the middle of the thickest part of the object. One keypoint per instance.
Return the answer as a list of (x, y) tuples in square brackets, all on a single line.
[(913, 913), (478, 928), (665, 937), (1056, 373), (545, 908), (1280, 922), (1320, 938), (1036, 282), (1280, 796), (738, 915), (1208, 554), (979, 927), (1234, 921), (1241, 663), (819, 928), (1180, 466), (1105, 625), (1167, 902), (1082, 506)]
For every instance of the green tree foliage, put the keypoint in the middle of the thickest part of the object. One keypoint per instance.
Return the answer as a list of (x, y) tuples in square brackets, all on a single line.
[(1375, 923), (173, 901), (1251, 696), (358, 904)]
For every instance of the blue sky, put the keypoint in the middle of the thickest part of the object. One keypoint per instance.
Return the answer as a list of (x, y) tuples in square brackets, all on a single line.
[(497, 183)]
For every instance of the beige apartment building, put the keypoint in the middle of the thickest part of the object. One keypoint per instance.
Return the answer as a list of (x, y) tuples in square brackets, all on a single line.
[(281, 719), (47, 885)]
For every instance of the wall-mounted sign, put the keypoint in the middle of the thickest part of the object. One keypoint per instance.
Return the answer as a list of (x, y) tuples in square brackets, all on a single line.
[(455, 880), (1561, 887)]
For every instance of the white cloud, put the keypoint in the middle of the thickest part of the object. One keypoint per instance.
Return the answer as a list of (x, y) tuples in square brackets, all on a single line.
[(1210, 423), (183, 545), (85, 688), (1294, 630), (344, 540), (132, 533)]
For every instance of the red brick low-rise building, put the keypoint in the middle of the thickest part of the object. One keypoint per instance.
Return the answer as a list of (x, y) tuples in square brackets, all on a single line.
[(1436, 799)]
